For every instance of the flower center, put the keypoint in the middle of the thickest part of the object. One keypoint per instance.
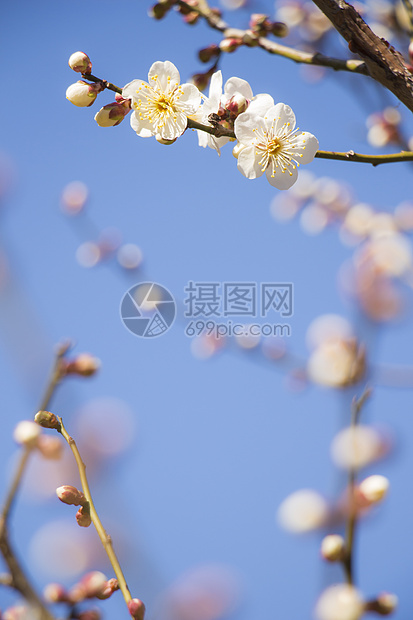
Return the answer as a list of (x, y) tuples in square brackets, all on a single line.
[(273, 146)]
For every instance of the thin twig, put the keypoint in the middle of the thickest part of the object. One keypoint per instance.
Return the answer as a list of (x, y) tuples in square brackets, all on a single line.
[(356, 408), (104, 537)]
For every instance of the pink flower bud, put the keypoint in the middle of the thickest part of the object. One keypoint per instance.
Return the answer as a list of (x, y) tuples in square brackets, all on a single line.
[(237, 104), (93, 584), (80, 62), (113, 113), (136, 609), (47, 420), (207, 53), (230, 45), (84, 365), (83, 94), (108, 589), (70, 495), (26, 433), (260, 23), (250, 38), (50, 447), (160, 9), (55, 593), (83, 517), (374, 488)]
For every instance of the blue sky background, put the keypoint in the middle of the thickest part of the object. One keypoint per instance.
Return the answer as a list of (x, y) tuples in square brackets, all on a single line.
[(219, 444)]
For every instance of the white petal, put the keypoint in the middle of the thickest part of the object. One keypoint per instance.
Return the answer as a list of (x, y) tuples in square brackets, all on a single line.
[(130, 90), (247, 163), (282, 180), (202, 139), (188, 98), (173, 128), (305, 147), (215, 89), (237, 85), (142, 128), (261, 104), (278, 116), (244, 127), (166, 74)]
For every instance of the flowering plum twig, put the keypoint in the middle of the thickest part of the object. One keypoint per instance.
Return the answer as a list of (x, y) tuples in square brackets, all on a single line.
[(49, 420), (356, 408), (219, 132)]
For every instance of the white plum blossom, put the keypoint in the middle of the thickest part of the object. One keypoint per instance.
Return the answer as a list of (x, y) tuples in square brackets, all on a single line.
[(270, 143), (161, 106), (235, 99)]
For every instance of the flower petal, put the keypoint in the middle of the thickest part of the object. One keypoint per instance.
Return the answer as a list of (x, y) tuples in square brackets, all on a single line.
[(305, 147), (142, 127), (164, 75), (173, 127), (278, 116), (282, 180), (131, 90), (215, 90), (245, 126), (247, 163), (237, 85), (188, 98), (260, 104)]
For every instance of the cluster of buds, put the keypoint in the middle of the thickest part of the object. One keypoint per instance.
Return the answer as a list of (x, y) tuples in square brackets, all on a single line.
[(73, 497), (92, 585), (228, 111), (83, 94), (261, 25)]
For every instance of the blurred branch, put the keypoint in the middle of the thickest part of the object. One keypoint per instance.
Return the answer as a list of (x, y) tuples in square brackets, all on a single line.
[(356, 408), (19, 581)]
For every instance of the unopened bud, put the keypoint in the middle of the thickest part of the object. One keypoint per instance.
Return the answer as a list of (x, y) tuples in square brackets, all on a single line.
[(50, 447), (83, 517), (260, 23), (80, 62), (160, 9), (55, 593), (136, 609), (207, 53), (26, 433), (108, 589), (279, 29), (47, 420), (374, 488), (93, 584), (84, 365), (230, 45), (164, 141), (83, 94), (333, 548), (185, 9), (384, 605), (201, 80), (70, 495), (237, 104), (191, 18), (112, 114)]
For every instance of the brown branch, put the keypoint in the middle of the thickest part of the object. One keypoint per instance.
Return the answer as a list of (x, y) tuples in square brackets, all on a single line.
[(384, 63)]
